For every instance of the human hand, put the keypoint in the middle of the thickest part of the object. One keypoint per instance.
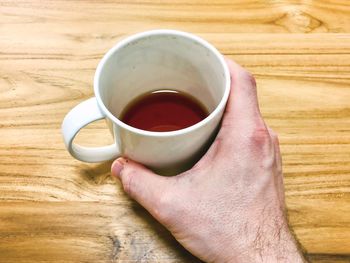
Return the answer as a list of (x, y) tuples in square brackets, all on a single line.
[(230, 206)]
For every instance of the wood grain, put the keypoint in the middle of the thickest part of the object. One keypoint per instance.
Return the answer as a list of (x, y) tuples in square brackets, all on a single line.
[(56, 209), (72, 231)]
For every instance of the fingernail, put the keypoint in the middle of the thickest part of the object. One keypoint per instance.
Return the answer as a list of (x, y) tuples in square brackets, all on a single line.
[(117, 167)]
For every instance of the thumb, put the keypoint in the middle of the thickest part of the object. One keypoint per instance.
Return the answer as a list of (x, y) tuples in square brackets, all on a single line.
[(141, 183)]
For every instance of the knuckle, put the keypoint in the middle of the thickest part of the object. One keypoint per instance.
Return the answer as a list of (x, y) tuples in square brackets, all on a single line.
[(260, 135), (274, 135), (249, 78)]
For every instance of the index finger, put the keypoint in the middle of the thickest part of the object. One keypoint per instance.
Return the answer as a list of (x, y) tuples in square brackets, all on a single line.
[(242, 109)]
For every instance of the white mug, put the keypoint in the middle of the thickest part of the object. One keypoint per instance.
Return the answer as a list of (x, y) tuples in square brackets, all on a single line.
[(148, 61)]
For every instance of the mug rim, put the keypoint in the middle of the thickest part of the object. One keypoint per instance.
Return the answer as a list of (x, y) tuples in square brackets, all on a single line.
[(170, 32)]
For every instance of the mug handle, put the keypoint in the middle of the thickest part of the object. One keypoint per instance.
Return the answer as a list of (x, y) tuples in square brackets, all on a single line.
[(80, 116)]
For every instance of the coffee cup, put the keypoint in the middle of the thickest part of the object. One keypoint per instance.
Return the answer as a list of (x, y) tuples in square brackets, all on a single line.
[(142, 63)]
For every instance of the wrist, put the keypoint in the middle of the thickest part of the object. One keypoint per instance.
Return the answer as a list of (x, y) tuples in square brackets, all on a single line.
[(279, 246), (271, 241)]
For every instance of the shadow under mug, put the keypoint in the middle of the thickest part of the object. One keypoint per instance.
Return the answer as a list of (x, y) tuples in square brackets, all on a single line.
[(148, 61)]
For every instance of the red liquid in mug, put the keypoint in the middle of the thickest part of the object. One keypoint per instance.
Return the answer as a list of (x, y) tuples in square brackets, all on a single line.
[(163, 110)]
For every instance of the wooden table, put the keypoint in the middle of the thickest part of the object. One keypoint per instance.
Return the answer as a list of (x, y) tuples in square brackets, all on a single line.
[(56, 209)]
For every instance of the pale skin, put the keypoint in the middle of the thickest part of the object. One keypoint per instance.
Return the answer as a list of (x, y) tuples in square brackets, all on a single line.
[(230, 206)]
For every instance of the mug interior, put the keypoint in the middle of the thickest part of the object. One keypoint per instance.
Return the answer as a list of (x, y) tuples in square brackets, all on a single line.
[(159, 61)]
